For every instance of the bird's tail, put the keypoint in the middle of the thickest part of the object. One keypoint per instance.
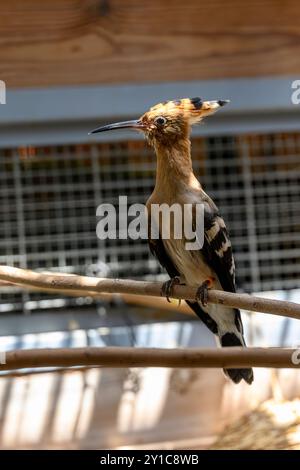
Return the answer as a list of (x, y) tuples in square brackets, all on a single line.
[(236, 375), (229, 331)]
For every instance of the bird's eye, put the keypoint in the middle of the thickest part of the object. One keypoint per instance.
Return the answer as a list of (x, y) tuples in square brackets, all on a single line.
[(160, 120)]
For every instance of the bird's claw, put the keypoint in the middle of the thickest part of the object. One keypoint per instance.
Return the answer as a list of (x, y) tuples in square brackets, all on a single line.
[(202, 292), (166, 290)]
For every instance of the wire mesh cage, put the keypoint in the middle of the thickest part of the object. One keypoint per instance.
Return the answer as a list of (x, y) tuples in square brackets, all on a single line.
[(49, 196)]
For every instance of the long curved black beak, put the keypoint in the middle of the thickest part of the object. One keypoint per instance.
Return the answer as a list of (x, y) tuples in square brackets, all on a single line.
[(135, 124)]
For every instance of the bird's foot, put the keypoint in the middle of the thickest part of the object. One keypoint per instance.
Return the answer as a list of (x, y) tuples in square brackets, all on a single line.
[(167, 287), (202, 291)]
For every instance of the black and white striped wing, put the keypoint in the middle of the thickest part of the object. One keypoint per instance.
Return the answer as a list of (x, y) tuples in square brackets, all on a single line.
[(217, 250)]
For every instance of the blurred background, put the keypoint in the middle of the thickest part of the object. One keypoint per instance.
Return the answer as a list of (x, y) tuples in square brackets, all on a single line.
[(71, 65)]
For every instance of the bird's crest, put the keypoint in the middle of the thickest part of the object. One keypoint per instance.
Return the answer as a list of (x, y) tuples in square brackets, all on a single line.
[(190, 109)]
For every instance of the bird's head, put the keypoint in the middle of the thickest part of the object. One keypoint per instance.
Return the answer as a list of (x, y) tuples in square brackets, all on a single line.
[(169, 121)]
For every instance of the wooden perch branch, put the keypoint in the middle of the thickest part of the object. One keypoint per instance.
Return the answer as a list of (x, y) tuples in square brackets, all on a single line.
[(158, 303), (83, 285), (149, 357)]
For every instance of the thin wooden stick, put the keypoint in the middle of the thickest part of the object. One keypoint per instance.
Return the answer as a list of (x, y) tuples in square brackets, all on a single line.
[(87, 285), (118, 357)]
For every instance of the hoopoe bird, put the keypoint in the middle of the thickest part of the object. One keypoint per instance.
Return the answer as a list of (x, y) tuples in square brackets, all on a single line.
[(167, 127)]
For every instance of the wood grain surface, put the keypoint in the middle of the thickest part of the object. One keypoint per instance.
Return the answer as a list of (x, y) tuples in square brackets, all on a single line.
[(73, 42)]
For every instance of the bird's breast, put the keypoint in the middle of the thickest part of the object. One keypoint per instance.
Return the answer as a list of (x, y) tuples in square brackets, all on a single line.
[(190, 263)]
